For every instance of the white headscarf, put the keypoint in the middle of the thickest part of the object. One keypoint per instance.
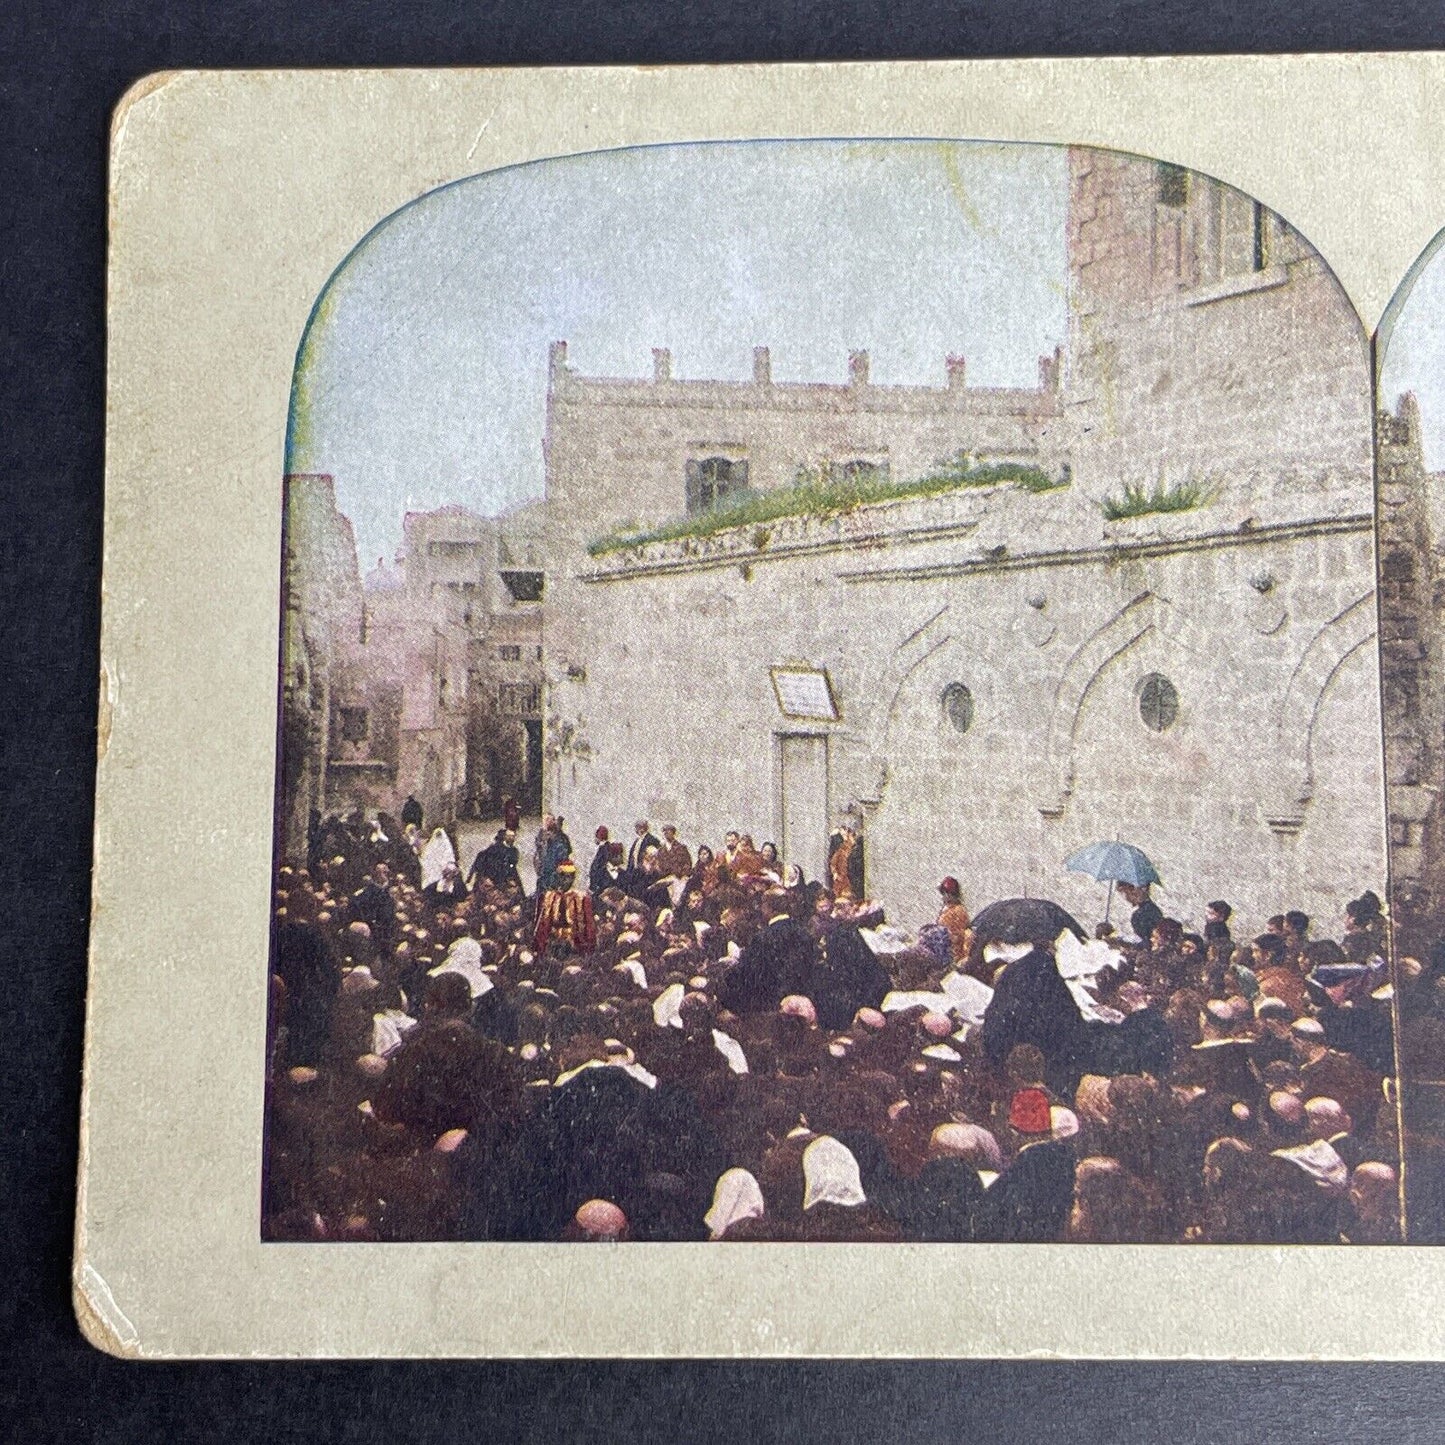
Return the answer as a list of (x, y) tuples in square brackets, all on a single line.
[(901, 999), (634, 970), (436, 856), (1006, 952), (643, 1076), (731, 1050), (388, 1029), (1321, 1162), (667, 1007), (1084, 960), (970, 997), (830, 1174), (737, 1196), (465, 957)]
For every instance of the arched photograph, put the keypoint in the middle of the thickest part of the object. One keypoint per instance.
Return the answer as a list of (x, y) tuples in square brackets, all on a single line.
[(832, 691)]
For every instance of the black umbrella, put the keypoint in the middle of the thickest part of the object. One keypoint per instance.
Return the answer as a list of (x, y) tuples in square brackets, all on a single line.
[(1023, 920)]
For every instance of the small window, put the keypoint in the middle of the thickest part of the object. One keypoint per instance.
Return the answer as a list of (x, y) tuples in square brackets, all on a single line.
[(1158, 703), (354, 722), (1243, 234), (510, 652), (523, 586), (712, 481), (1173, 184), (452, 550), (518, 699), (957, 702)]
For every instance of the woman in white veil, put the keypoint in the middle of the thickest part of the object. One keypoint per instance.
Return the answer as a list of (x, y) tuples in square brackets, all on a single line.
[(437, 857)]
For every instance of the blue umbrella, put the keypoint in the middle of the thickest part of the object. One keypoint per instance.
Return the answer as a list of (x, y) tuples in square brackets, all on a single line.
[(1113, 862)]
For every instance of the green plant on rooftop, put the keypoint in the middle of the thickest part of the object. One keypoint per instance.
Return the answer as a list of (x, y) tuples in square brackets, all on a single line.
[(1137, 502), (824, 491)]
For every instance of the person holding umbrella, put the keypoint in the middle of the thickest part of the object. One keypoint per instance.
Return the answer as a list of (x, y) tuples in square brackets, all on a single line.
[(1129, 867), (1147, 914)]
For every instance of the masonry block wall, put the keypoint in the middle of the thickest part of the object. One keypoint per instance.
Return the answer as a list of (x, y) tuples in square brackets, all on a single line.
[(618, 449), (1412, 612), (1266, 787), (321, 627), (1207, 342)]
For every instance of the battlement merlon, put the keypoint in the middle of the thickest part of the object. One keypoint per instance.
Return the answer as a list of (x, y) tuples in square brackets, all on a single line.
[(859, 392)]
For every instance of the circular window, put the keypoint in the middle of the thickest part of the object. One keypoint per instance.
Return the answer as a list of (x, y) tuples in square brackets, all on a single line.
[(1158, 702), (957, 703)]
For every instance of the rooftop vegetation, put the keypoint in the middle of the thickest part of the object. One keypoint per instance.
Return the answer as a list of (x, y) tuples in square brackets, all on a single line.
[(825, 492), (1137, 502)]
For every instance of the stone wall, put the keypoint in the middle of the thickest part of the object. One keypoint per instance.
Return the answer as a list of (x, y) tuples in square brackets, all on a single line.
[(1266, 789), (617, 450), (1193, 358), (321, 627)]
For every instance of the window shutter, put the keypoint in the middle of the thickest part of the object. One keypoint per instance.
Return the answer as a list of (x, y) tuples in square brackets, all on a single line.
[(739, 477), (694, 486), (1236, 233)]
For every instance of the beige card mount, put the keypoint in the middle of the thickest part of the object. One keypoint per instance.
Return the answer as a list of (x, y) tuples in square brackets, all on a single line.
[(234, 199)]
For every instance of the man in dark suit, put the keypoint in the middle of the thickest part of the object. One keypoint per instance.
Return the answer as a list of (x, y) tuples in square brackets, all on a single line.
[(634, 880), (372, 904), (602, 875), (640, 844), (497, 862), (1032, 1004), (1147, 914), (411, 812)]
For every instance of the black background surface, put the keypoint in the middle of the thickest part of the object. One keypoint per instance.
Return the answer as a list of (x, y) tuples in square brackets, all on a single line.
[(63, 66)]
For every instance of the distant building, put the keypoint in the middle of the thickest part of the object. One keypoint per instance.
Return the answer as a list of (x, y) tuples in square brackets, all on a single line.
[(988, 678), (426, 680)]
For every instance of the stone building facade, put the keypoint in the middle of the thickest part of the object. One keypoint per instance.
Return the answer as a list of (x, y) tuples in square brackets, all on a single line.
[(626, 454), (462, 621), (1000, 676), (1208, 342)]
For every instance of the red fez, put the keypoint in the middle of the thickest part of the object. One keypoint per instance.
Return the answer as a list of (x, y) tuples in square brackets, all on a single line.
[(1029, 1112), (602, 835), (950, 886)]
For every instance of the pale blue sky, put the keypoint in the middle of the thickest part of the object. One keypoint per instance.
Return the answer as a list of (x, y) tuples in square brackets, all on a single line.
[(423, 377), (1414, 354)]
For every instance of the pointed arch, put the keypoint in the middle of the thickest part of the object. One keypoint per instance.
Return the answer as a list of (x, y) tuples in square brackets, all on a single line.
[(1299, 708), (1144, 614), (943, 634)]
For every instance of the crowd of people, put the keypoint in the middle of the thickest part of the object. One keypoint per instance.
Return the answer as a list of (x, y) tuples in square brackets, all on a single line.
[(658, 1043)]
